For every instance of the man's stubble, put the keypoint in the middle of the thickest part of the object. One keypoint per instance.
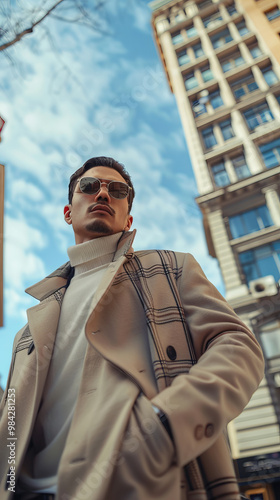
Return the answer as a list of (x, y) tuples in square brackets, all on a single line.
[(99, 226)]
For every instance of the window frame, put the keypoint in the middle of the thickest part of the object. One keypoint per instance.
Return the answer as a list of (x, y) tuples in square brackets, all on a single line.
[(247, 82), (220, 174), (276, 155), (255, 262), (224, 34), (276, 8), (240, 168), (231, 59), (241, 220), (213, 96), (244, 25), (181, 54), (269, 69), (257, 111), (193, 77), (176, 34), (209, 140), (194, 52), (228, 120)]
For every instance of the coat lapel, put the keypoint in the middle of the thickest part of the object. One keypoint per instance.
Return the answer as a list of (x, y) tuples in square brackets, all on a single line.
[(42, 323), (120, 343)]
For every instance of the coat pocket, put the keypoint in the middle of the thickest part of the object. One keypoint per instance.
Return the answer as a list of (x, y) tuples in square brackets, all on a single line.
[(147, 469), (146, 442)]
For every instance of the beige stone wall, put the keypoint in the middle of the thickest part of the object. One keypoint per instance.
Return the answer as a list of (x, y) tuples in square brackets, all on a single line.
[(268, 30)]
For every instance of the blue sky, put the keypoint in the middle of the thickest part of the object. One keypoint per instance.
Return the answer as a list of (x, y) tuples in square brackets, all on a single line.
[(87, 95)]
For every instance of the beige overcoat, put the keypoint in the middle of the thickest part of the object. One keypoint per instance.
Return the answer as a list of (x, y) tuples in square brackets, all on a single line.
[(206, 365)]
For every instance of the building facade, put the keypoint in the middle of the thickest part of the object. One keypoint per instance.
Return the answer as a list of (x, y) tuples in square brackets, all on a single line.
[(222, 62)]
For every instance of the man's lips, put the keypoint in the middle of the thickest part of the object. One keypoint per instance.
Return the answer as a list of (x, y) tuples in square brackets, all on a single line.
[(102, 208)]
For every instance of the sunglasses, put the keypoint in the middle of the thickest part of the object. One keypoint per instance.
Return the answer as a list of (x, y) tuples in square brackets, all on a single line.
[(116, 189)]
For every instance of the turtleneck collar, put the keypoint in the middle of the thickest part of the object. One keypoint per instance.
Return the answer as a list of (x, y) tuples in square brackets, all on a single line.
[(93, 253)]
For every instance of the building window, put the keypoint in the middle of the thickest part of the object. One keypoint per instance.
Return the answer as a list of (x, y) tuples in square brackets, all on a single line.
[(244, 86), (208, 137), (270, 339), (226, 129), (257, 115), (183, 57), (240, 166), (198, 108), (255, 51), (250, 222), (190, 81), (221, 38), (261, 261), (273, 13), (271, 153), (269, 76), (215, 99), (197, 50), (206, 74), (231, 9), (212, 21), (177, 38), (191, 31), (242, 28), (220, 174), (231, 62), (204, 4)]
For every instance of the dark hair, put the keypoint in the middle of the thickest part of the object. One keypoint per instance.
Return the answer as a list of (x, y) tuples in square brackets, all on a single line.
[(101, 161)]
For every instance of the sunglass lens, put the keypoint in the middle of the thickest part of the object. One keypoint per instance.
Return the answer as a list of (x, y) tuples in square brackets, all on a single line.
[(118, 190), (89, 185)]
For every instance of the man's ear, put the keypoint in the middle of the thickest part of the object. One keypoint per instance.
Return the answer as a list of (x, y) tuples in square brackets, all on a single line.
[(128, 223), (67, 214)]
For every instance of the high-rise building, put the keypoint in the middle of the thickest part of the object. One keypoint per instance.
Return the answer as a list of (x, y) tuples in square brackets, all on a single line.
[(222, 61)]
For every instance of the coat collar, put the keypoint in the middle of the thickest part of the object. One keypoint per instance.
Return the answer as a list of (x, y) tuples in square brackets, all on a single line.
[(58, 279)]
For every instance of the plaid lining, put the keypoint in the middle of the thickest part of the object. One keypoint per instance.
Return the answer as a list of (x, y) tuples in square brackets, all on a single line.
[(140, 277), (174, 368), (25, 340)]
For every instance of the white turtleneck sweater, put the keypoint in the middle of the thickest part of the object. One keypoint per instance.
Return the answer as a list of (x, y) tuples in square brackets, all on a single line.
[(90, 260)]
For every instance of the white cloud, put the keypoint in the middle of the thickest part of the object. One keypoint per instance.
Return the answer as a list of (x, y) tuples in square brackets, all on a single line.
[(25, 193), (17, 303), (21, 262), (142, 16)]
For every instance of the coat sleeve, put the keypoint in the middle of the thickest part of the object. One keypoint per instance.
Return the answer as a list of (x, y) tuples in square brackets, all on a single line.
[(229, 368), (4, 395)]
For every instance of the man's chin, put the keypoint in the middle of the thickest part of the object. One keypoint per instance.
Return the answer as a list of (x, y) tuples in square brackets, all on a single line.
[(99, 227)]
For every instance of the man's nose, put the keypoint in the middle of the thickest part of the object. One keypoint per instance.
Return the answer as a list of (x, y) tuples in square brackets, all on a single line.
[(103, 192)]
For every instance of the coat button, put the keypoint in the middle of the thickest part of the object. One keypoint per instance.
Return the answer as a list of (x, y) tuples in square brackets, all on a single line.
[(171, 353), (199, 432), (209, 431)]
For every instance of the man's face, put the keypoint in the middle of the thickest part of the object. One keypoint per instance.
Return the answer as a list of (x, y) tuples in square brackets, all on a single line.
[(96, 215)]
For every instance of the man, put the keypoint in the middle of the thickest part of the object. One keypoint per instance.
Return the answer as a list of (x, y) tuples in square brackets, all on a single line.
[(129, 369)]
